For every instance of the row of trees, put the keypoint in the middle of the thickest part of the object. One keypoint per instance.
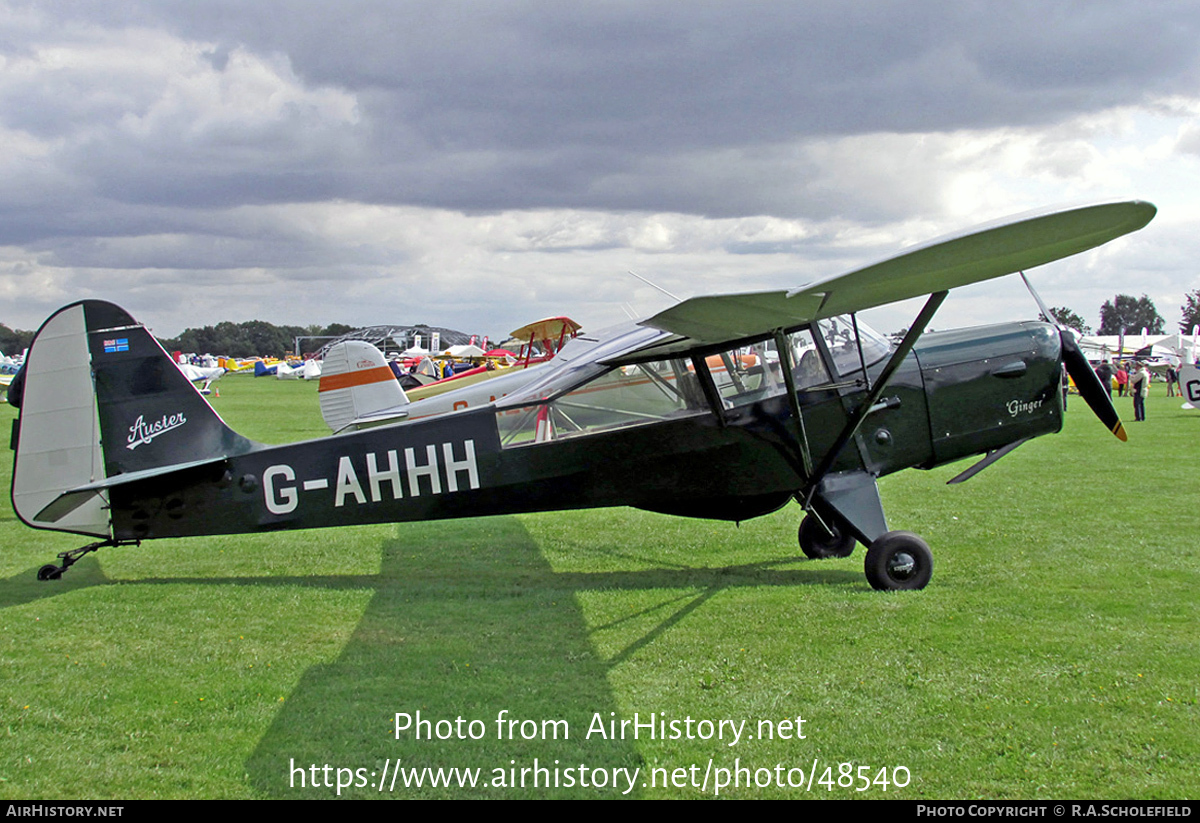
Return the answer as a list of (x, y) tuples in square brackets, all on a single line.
[(254, 337), (1129, 315), (14, 341), (258, 337), (1121, 314), (1191, 312)]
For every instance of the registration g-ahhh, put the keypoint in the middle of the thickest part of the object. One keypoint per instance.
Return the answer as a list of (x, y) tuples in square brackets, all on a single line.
[(724, 407)]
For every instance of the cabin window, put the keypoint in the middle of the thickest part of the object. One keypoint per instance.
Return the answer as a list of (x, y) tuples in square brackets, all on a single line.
[(747, 374), (838, 333), (808, 368), (632, 395), (752, 373)]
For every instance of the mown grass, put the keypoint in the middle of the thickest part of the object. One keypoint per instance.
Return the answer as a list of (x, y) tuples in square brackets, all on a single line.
[(1054, 655)]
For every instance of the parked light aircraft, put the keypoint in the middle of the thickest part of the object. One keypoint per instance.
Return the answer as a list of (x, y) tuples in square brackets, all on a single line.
[(1189, 386), (358, 389), (722, 407)]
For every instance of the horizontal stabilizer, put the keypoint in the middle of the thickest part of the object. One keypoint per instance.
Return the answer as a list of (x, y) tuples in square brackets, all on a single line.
[(71, 500)]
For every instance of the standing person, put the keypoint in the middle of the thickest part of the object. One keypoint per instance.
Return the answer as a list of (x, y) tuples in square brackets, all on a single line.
[(1122, 379), (1172, 380), (1105, 373), (1139, 387)]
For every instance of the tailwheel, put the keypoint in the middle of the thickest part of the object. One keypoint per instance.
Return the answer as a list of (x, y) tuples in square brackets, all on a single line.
[(898, 561), (69, 559), (50, 572), (819, 542)]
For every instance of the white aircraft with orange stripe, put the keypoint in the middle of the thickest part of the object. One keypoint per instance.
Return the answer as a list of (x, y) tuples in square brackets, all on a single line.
[(358, 389)]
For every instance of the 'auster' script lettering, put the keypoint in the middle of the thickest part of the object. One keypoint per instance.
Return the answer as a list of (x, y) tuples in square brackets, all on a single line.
[(142, 432)]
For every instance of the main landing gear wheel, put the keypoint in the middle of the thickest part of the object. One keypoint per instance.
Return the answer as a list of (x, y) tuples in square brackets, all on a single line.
[(818, 543), (898, 560)]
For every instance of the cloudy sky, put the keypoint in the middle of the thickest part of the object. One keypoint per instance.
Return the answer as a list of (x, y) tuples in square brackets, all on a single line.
[(481, 164)]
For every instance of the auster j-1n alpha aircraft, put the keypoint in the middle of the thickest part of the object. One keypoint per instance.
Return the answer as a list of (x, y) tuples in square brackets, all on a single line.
[(723, 407)]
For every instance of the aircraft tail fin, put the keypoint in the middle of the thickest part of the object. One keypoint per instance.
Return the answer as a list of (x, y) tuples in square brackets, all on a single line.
[(357, 386), (101, 398), (1189, 384)]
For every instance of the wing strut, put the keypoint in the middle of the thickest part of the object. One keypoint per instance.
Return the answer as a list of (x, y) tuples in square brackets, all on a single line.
[(789, 380), (860, 414)]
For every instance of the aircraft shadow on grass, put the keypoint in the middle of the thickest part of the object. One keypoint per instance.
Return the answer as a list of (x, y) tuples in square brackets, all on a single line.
[(467, 624)]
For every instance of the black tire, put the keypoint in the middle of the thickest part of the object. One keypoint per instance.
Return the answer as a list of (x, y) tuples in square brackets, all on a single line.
[(818, 544), (49, 572), (899, 561)]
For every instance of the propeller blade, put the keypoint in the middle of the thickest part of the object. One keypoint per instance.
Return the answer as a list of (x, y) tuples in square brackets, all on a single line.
[(1090, 388)]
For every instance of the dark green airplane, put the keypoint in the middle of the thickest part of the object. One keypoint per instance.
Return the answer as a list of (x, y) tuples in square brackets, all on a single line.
[(722, 407)]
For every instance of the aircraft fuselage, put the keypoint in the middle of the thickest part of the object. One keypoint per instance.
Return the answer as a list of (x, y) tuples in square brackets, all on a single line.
[(960, 393)]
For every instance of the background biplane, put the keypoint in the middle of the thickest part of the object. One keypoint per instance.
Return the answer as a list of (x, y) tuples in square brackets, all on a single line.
[(722, 407)]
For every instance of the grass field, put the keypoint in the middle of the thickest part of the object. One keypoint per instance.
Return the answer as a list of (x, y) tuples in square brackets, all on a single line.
[(1056, 654)]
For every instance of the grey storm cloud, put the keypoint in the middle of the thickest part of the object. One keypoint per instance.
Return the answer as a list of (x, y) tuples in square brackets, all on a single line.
[(603, 105), (271, 143), (712, 74)]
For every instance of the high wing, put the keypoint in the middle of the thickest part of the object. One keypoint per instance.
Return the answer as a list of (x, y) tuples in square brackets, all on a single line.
[(988, 251)]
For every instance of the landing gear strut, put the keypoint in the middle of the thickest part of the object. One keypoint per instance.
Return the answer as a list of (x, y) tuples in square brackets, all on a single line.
[(70, 558)]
